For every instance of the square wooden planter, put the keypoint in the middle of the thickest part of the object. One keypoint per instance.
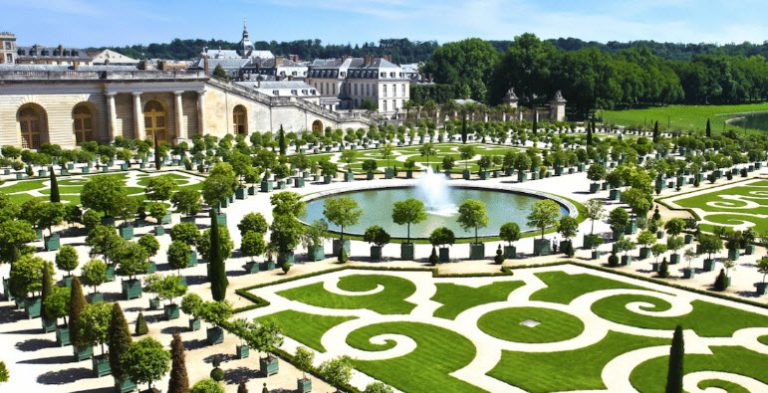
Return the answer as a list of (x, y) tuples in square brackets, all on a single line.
[(304, 385), (406, 251), (53, 242), (131, 289), (251, 267), (124, 385), (82, 353), (267, 265), (100, 365), (194, 325), (95, 298), (269, 365), (192, 259), (126, 232), (154, 303), (171, 312), (542, 247), (33, 307), (62, 336), (316, 253), (444, 254), (48, 326), (476, 251), (214, 335), (337, 246), (242, 351), (375, 253)]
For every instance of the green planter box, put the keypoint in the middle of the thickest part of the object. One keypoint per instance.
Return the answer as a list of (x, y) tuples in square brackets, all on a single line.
[(124, 385), (167, 219), (733, 254), (159, 230), (171, 312), (221, 218), (251, 267), (595, 254), (375, 253), (476, 251), (252, 190), (327, 179), (281, 184), (33, 307), (406, 251), (82, 353), (131, 289), (62, 336), (53, 242), (110, 272), (100, 365), (48, 326), (674, 259), (95, 298), (541, 247), (268, 265), (304, 385), (66, 281), (269, 365), (316, 253), (194, 325), (645, 252), (349, 177), (749, 250), (483, 175), (154, 303), (242, 351), (760, 288), (388, 173), (240, 193), (298, 182), (614, 194), (444, 254), (369, 176), (594, 187), (510, 252), (337, 246), (688, 272), (152, 268), (631, 227), (659, 234), (283, 257), (266, 186), (626, 260), (709, 265), (126, 232), (214, 335), (688, 239), (466, 174)]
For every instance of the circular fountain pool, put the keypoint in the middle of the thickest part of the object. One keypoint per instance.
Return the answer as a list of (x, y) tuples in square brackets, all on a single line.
[(441, 203)]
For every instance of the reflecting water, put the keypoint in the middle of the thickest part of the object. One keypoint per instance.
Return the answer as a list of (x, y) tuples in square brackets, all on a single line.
[(377, 205), (758, 121)]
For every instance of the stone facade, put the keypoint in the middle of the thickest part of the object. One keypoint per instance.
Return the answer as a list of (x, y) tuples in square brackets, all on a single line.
[(61, 106)]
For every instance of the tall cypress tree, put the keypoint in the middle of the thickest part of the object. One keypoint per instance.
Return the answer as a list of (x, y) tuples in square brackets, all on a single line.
[(464, 127), (590, 130), (217, 273), (157, 153), (77, 305), (46, 291), (118, 340), (676, 354), (55, 197), (179, 382), (535, 121), (709, 129), (656, 132), (281, 141)]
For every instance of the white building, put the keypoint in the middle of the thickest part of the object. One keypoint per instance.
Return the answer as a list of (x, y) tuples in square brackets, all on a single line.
[(292, 89), (355, 83)]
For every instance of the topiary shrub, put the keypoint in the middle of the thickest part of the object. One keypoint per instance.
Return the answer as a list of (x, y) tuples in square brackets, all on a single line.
[(217, 374), (664, 269), (613, 260), (343, 257), (721, 282), (141, 325), (433, 257), (499, 258), (286, 267)]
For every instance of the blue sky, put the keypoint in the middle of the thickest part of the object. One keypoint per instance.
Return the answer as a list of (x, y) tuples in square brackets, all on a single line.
[(82, 23)]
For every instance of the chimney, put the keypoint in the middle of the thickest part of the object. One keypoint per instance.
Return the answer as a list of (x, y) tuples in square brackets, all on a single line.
[(368, 60), (388, 58), (205, 64), (279, 61), (294, 58)]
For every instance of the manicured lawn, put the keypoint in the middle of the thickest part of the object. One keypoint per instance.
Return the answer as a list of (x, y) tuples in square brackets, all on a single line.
[(391, 300), (458, 298), (728, 210), (579, 369), (180, 179), (438, 353), (763, 339), (563, 287), (682, 117), (305, 328), (737, 360), (23, 186), (701, 319), (507, 324)]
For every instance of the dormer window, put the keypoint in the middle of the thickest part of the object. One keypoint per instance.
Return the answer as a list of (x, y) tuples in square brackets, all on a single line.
[(276, 93), (294, 92), (391, 74), (383, 75)]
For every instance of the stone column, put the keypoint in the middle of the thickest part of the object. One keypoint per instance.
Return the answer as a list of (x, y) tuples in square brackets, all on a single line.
[(201, 112), (181, 131), (111, 116), (138, 117)]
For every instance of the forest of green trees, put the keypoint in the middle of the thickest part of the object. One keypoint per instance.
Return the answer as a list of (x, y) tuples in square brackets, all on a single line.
[(590, 74)]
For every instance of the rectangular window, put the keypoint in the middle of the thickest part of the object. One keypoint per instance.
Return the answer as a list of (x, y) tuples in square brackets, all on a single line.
[(384, 90), (8, 58), (385, 105)]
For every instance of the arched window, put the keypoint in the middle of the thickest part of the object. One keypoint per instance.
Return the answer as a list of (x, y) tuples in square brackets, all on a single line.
[(155, 124), (240, 120), (32, 125), (317, 127), (82, 124)]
